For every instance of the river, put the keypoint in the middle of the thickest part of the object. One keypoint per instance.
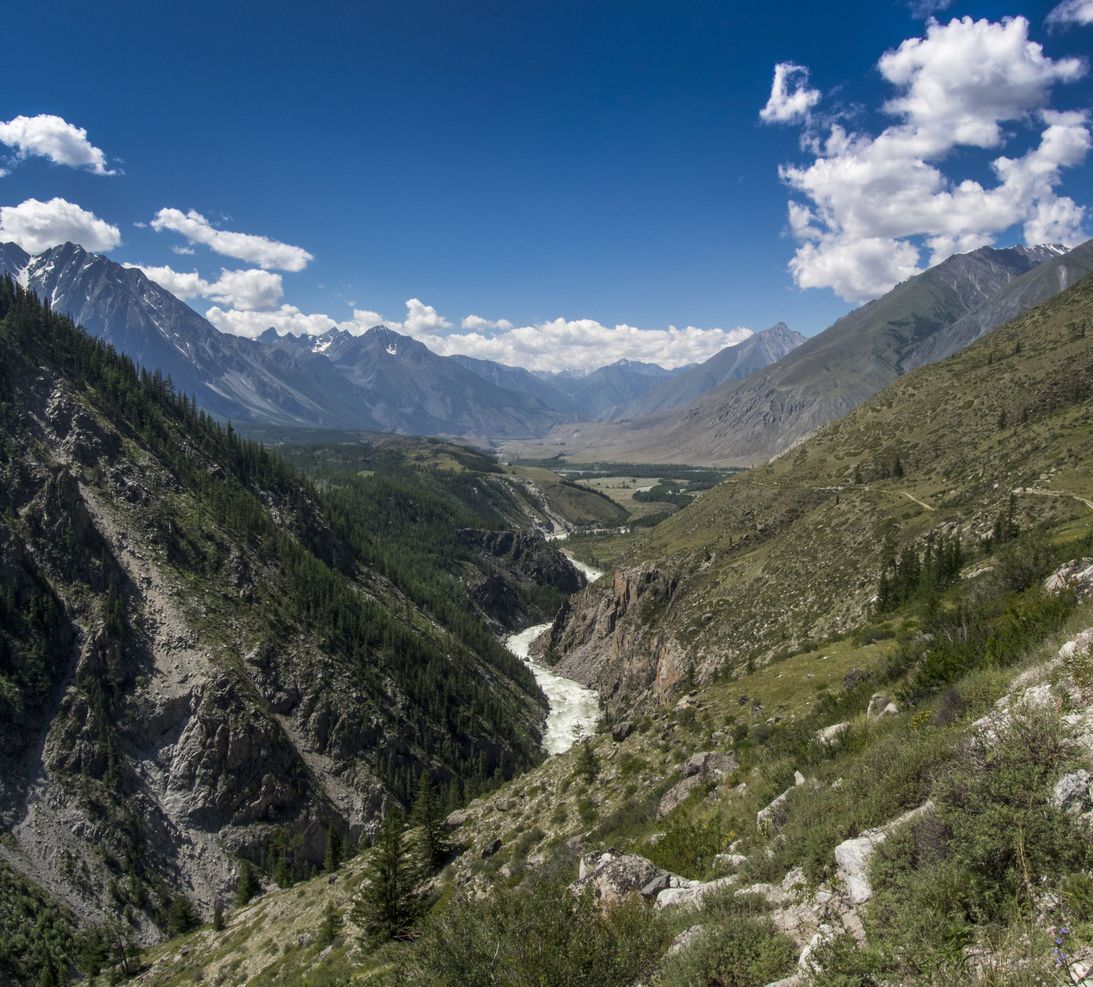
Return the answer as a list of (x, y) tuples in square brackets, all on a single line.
[(574, 710)]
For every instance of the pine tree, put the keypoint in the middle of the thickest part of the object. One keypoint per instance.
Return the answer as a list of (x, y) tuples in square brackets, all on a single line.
[(335, 851), (248, 885), (218, 918), (390, 902), (433, 836), (328, 931)]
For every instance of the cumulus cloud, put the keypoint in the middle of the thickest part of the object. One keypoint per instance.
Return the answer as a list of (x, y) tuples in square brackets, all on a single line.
[(49, 136), (1071, 12), (585, 344), (790, 97), (559, 344), (285, 319), (422, 319), (249, 290), (477, 324), (867, 204), (248, 247), (37, 226)]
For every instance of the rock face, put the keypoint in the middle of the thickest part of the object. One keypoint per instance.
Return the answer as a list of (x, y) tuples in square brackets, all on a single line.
[(852, 857), (520, 565), (1076, 576), (602, 632)]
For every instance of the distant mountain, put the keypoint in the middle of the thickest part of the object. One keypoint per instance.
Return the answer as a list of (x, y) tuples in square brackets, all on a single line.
[(748, 421), (732, 363), (231, 377), (605, 392), (381, 381), (403, 386)]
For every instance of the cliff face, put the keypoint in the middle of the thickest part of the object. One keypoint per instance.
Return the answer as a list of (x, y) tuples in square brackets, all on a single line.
[(196, 666)]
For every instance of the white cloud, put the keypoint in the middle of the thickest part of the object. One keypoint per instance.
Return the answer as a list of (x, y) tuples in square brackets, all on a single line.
[(181, 249), (248, 247), (37, 226), (48, 136), (422, 319), (1072, 12), (790, 98), (584, 344), (476, 323), (249, 290), (579, 344), (285, 319), (867, 204)]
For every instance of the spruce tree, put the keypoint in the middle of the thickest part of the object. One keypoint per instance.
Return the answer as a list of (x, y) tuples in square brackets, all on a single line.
[(390, 902), (248, 885), (335, 851), (433, 836)]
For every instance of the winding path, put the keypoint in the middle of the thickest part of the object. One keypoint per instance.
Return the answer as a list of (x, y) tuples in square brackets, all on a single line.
[(1038, 492)]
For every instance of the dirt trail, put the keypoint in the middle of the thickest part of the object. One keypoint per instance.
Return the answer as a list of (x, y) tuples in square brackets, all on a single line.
[(921, 503), (1038, 492)]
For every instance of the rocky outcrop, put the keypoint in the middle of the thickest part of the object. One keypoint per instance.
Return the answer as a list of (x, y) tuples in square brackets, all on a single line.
[(1076, 576), (607, 637), (514, 567)]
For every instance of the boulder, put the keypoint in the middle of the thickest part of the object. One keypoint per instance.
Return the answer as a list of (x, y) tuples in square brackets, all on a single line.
[(852, 857), (491, 848), (710, 764), (685, 938), (678, 794), (771, 819), (1073, 793), (457, 818), (690, 894), (829, 736), (1076, 575), (620, 731), (613, 876), (881, 705), (852, 678)]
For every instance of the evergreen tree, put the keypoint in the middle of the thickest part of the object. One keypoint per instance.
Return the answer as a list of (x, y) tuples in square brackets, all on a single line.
[(328, 931), (335, 851), (427, 815), (390, 902), (248, 885), (218, 918)]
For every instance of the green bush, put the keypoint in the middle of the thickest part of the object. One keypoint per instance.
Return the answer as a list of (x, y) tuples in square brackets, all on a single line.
[(740, 951), (540, 935)]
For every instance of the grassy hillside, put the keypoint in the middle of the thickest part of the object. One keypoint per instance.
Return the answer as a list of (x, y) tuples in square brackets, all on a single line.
[(792, 552)]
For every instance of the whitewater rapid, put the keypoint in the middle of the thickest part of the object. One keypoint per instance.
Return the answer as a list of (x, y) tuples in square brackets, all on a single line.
[(574, 710)]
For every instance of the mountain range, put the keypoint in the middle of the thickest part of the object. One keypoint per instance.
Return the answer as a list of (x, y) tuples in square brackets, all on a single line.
[(922, 320), (380, 380)]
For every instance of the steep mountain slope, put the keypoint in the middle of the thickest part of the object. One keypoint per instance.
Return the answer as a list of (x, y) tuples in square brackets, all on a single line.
[(382, 380), (791, 552), (203, 658), (797, 821), (748, 421), (1038, 285), (732, 363), (230, 376)]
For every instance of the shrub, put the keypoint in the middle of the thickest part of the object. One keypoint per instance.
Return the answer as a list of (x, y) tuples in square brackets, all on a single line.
[(540, 935), (739, 952)]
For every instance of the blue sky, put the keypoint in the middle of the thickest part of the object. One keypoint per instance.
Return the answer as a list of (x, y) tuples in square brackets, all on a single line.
[(560, 166)]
